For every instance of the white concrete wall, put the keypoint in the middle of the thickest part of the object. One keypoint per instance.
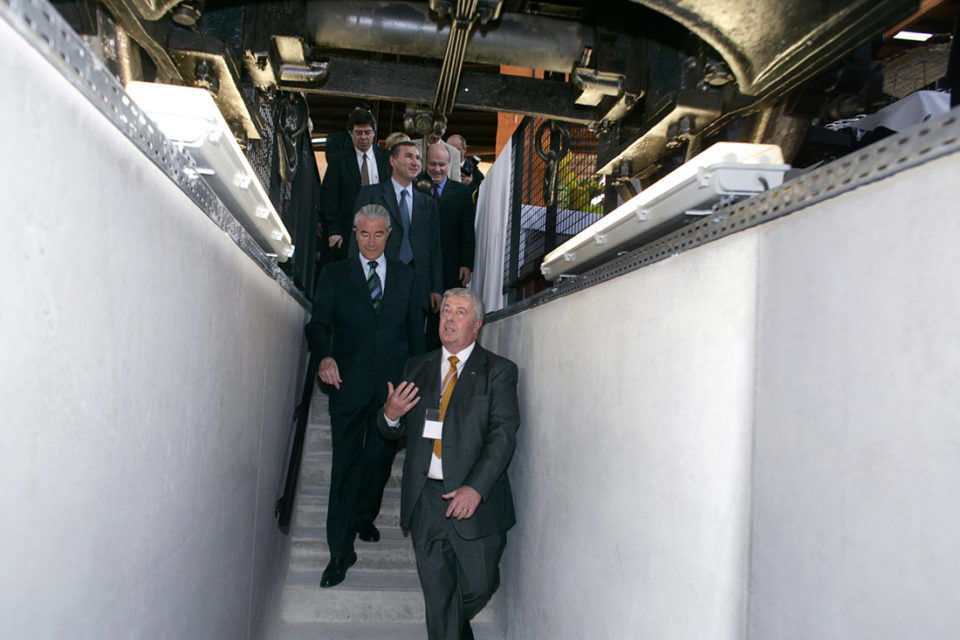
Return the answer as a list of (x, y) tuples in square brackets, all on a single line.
[(148, 376), (759, 438), (857, 466), (632, 468)]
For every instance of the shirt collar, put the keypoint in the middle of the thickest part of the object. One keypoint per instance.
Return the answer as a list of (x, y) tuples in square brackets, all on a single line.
[(381, 261), (397, 188), (461, 355), (440, 186)]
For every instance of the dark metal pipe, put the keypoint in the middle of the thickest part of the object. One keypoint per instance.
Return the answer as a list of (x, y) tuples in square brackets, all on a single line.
[(408, 28)]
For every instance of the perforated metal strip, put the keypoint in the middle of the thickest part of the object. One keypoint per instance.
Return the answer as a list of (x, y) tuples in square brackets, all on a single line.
[(932, 139), (43, 27)]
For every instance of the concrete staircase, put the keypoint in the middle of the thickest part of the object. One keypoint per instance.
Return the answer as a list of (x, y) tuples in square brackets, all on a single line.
[(380, 597)]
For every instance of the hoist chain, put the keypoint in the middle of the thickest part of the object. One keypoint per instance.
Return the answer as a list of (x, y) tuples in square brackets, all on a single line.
[(559, 147)]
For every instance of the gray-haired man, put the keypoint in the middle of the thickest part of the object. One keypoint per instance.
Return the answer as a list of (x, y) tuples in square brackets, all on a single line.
[(367, 320)]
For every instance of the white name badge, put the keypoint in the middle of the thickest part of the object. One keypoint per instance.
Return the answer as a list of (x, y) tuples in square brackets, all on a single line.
[(432, 426)]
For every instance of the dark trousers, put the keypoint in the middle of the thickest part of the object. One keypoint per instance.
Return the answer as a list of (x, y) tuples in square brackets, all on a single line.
[(361, 466), (457, 576)]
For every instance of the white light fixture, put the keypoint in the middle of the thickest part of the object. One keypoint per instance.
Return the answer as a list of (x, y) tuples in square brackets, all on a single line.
[(913, 36), (188, 117), (727, 169), (318, 140)]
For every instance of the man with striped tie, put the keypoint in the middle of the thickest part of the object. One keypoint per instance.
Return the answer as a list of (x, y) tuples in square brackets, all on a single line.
[(458, 408), (362, 163), (367, 320)]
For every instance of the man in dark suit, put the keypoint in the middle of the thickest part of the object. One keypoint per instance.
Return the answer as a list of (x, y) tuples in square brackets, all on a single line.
[(367, 320), (348, 170), (340, 140), (458, 408), (457, 238), (416, 239)]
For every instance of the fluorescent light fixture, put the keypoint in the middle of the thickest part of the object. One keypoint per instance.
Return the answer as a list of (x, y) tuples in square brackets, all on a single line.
[(725, 170), (319, 140), (188, 117), (913, 36)]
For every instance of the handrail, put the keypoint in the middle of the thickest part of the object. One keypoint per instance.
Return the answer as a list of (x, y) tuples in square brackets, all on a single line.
[(284, 508)]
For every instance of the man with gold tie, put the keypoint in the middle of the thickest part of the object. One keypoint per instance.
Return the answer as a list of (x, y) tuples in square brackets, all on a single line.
[(458, 408)]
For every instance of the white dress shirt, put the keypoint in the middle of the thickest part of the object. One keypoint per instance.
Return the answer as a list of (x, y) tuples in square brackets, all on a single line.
[(371, 164), (436, 464), (397, 188), (381, 270)]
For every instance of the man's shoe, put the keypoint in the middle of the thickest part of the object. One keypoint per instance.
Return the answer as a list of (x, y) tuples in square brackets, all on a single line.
[(368, 532), (336, 570), (467, 633)]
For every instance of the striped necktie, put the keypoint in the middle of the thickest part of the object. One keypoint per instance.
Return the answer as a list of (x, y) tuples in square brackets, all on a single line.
[(373, 284), (364, 172), (449, 382)]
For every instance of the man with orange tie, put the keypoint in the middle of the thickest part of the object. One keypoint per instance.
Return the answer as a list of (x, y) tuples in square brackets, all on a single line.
[(458, 407)]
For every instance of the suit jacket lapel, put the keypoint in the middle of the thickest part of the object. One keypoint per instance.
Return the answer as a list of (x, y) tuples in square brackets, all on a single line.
[(430, 391), (390, 202), (350, 157), (473, 376), (359, 279)]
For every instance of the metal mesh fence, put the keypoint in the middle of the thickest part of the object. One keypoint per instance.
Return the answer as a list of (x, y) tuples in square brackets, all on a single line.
[(547, 210), (295, 198)]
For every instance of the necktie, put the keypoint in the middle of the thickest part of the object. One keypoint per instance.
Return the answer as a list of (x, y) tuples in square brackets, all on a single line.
[(364, 172), (436, 193), (373, 284), (406, 251), (449, 382)]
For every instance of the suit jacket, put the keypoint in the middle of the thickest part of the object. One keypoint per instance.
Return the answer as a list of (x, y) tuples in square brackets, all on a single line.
[(453, 169), (479, 436), (424, 234), (341, 184), (336, 141), (370, 348), (457, 237)]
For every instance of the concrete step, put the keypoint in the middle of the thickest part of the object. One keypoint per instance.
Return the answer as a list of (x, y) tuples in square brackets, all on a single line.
[(308, 551), (363, 596), (373, 631), (310, 509), (315, 470), (317, 439)]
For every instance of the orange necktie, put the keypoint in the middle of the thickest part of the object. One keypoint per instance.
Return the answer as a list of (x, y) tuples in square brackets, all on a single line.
[(449, 382)]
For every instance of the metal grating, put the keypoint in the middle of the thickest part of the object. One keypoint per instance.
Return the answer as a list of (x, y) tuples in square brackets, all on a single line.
[(929, 140), (47, 32), (537, 225)]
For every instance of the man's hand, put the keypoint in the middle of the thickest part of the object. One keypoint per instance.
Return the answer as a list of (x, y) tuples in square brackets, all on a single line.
[(330, 372), (400, 400), (435, 301), (464, 276), (463, 502), (335, 241)]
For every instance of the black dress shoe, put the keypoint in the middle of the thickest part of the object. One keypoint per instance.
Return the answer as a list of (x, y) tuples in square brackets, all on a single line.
[(336, 570), (467, 633), (368, 532)]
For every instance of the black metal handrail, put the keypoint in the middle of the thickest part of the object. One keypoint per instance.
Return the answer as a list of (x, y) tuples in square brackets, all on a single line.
[(301, 415)]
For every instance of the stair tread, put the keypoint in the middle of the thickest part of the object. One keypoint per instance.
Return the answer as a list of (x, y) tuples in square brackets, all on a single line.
[(372, 631), (361, 579)]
